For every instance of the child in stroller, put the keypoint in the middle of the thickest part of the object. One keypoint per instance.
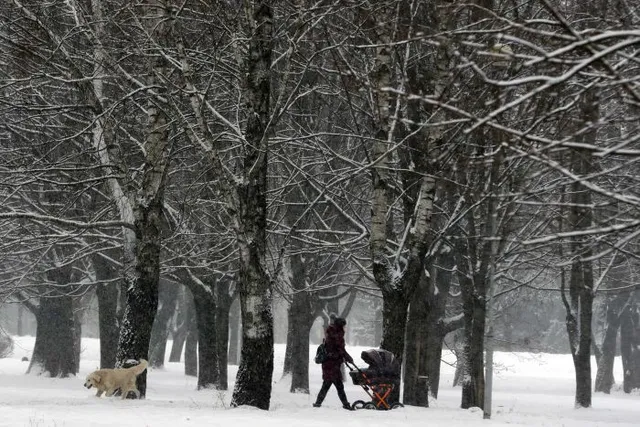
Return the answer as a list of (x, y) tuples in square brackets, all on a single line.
[(378, 380)]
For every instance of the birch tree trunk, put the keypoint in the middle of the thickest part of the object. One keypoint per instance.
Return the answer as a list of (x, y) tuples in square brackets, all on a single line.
[(397, 280), (142, 252), (253, 381)]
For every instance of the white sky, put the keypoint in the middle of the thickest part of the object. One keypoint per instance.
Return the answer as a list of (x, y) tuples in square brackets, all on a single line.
[(530, 390)]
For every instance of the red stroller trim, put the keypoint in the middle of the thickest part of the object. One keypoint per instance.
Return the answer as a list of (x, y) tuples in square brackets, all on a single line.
[(378, 389)]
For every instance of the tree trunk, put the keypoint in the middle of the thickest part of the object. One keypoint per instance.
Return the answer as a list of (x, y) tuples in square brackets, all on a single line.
[(108, 323), (53, 352), (142, 251), (141, 307), (78, 314), (630, 347), (110, 293), (460, 366), (141, 279), (288, 350), (377, 326), (433, 355), (579, 317), (426, 330), (191, 346), (205, 308), (235, 325), (604, 376), (437, 325), (394, 314), (579, 306), (416, 385), (253, 382), (182, 325), (168, 293), (177, 344), (299, 321), (224, 298), (20, 327), (473, 369), (397, 279)]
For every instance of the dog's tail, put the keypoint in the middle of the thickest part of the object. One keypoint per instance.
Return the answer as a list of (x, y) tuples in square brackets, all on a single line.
[(139, 368)]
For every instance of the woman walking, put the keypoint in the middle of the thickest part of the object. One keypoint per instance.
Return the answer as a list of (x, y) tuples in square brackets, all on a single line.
[(336, 355)]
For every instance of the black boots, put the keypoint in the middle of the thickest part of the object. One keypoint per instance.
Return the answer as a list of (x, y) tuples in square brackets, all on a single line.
[(321, 395), (345, 405), (341, 394), (343, 398)]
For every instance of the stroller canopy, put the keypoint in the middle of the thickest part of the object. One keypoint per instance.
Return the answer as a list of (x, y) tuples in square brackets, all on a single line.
[(382, 361)]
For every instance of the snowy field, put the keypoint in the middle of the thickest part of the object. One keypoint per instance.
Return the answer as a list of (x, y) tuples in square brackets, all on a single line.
[(530, 390)]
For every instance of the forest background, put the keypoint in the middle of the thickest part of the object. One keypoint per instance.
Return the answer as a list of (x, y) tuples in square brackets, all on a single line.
[(457, 171)]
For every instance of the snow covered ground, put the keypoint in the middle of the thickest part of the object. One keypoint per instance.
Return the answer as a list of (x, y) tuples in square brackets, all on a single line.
[(530, 390)]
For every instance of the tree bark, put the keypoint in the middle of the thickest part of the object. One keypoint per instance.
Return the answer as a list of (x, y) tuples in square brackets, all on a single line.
[(253, 382), (53, 352), (235, 325), (224, 298), (437, 324), (205, 308), (20, 320), (299, 354), (630, 347), (604, 375), (167, 295), (473, 349), (177, 345), (142, 251), (288, 351), (426, 330), (416, 384), (579, 306), (191, 348), (299, 321), (108, 324), (460, 366), (396, 279), (472, 275), (78, 314), (182, 325)]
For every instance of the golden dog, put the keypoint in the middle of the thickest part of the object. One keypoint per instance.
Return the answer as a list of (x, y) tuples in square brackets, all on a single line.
[(110, 380)]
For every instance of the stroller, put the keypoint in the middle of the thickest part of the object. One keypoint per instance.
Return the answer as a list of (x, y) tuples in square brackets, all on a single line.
[(378, 380)]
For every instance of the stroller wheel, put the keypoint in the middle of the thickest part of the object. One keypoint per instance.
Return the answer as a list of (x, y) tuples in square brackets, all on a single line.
[(397, 405), (358, 404), (370, 405)]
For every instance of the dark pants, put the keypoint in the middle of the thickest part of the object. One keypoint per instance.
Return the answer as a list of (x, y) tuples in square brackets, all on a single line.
[(325, 388)]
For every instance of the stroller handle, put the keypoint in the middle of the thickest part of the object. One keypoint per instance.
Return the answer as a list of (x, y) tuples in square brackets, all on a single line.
[(351, 364)]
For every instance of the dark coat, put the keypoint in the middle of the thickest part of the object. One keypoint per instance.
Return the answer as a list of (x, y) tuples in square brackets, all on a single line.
[(336, 353)]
